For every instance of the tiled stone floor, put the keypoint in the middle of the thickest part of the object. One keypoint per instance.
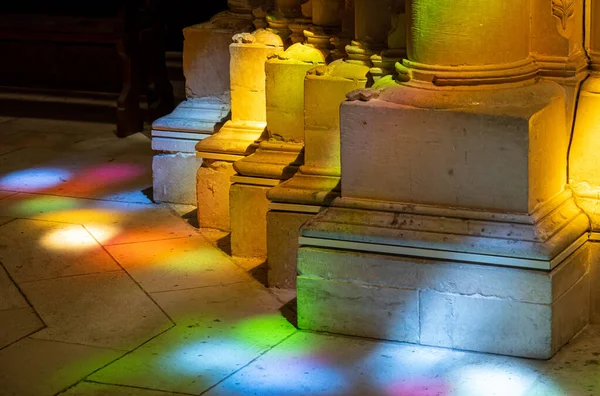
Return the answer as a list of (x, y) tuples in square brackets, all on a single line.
[(103, 292)]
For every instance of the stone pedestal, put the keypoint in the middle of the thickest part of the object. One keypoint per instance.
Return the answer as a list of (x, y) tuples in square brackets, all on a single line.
[(279, 156), (454, 227), (206, 70), (316, 183), (238, 137)]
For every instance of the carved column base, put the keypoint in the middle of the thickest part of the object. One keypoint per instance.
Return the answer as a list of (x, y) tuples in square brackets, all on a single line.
[(427, 275)]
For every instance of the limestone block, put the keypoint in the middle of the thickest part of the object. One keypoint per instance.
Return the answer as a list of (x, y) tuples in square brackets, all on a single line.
[(206, 60), (173, 178), (248, 80), (212, 188), (248, 211), (283, 230), (325, 89), (460, 149), (461, 305), (486, 325), (348, 308), (285, 73), (595, 282)]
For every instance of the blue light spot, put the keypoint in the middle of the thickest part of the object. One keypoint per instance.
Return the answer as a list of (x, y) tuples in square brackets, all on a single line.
[(34, 179)]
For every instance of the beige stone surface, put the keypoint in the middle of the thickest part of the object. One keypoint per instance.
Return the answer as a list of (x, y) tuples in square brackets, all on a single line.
[(212, 188), (206, 60), (283, 230), (86, 388), (109, 222), (173, 177), (10, 296), (176, 264), (228, 327), (17, 323), (325, 89), (40, 367), (248, 100), (325, 307), (103, 310), (33, 250), (327, 365), (488, 155), (248, 206), (218, 304)]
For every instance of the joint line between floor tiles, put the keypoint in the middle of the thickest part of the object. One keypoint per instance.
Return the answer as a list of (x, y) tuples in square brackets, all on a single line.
[(250, 362)]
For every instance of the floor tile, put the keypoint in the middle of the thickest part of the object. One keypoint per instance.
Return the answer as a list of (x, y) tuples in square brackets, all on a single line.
[(226, 303), (32, 250), (315, 364), (10, 296), (109, 222), (104, 310), (575, 370), (16, 324), (220, 329), (193, 358), (96, 389), (39, 367), (175, 264)]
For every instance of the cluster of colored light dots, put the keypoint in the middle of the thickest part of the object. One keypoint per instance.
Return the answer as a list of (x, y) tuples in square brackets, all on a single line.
[(106, 178)]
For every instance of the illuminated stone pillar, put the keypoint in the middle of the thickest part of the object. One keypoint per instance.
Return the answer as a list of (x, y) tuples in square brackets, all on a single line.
[(317, 182), (454, 227), (237, 138), (278, 156), (206, 70), (584, 169)]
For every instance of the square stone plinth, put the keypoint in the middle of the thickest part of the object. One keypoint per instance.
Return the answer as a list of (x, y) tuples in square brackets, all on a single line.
[(508, 311), (206, 60), (283, 230), (212, 190), (173, 178), (248, 211)]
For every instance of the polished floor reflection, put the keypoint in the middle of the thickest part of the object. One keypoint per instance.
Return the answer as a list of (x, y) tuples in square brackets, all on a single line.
[(103, 292)]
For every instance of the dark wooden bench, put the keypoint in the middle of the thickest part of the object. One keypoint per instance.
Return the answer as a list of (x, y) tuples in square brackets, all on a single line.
[(134, 27)]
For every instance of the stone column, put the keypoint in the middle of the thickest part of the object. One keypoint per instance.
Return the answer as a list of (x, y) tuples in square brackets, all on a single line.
[(326, 24), (206, 70), (317, 182), (453, 206), (237, 138), (583, 158), (278, 156)]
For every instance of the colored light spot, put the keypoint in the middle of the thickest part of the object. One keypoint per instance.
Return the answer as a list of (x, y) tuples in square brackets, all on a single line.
[(44, 204), (491, 379), (34, 179), (115, 172), (72, 238)]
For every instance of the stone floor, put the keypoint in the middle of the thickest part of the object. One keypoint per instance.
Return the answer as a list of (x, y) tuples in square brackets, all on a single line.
[(103, 292)]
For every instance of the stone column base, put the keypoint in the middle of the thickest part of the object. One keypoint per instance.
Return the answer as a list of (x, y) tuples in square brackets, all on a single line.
[(248, 210), (483, 281), (283, 230), (452, 304), (212, 188)]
